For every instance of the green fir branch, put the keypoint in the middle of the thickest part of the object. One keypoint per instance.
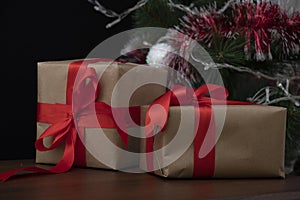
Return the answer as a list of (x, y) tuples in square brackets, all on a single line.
[(157, 13), (225, 50)]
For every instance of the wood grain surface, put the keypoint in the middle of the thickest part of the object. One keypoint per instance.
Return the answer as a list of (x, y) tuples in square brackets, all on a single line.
[(91, 184)]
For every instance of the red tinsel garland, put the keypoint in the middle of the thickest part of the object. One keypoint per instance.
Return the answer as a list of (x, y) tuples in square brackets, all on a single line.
[(261, 25)]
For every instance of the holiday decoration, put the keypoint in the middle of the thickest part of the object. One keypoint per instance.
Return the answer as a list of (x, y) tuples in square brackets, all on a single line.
[(264, 24), (50, 113), (254, 44), (244, 148), (158, 54), (77, 109)]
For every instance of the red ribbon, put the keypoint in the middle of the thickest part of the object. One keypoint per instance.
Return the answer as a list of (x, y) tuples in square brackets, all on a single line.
[(69, 120), (179, 96)]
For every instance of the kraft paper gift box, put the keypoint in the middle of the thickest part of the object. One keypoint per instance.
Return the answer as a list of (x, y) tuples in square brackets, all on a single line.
[(251, 144), (52, 83)]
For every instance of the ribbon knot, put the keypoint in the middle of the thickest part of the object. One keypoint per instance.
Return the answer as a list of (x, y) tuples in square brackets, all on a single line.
[(181, 95), (70, 115), (206, 95)]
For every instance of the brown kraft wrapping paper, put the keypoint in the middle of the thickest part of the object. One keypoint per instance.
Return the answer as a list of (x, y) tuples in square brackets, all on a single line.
[(251, 143), (52, 81)]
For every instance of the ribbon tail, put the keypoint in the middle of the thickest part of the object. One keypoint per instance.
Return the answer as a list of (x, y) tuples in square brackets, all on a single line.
[(6, 175), (64, 165), (69, 154)]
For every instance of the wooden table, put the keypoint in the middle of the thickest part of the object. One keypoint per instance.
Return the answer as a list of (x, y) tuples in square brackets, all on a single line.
[(89, 184)]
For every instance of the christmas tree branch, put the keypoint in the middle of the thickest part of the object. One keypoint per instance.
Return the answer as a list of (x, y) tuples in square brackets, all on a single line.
[(264, 94), (112, 14), (109, 13), (181, 7), (258, 74)]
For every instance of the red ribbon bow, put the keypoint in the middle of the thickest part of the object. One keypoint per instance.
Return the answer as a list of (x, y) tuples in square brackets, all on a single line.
[(199, 98)]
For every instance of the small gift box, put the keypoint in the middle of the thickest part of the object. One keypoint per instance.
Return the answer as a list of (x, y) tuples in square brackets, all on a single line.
[(75, 111), (212, 138)]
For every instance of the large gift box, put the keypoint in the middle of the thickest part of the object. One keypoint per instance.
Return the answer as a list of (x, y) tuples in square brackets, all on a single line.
[(243, 141), (68, 120)]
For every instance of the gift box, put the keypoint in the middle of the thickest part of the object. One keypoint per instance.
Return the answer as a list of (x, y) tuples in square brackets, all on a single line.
[(243, 141), (64, 129)]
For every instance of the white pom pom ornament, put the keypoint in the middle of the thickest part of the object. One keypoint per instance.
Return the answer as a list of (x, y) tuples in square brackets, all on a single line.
[(157, 55)]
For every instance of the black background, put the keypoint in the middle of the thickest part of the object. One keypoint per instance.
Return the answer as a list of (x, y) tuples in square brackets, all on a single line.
[(33, 31)]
